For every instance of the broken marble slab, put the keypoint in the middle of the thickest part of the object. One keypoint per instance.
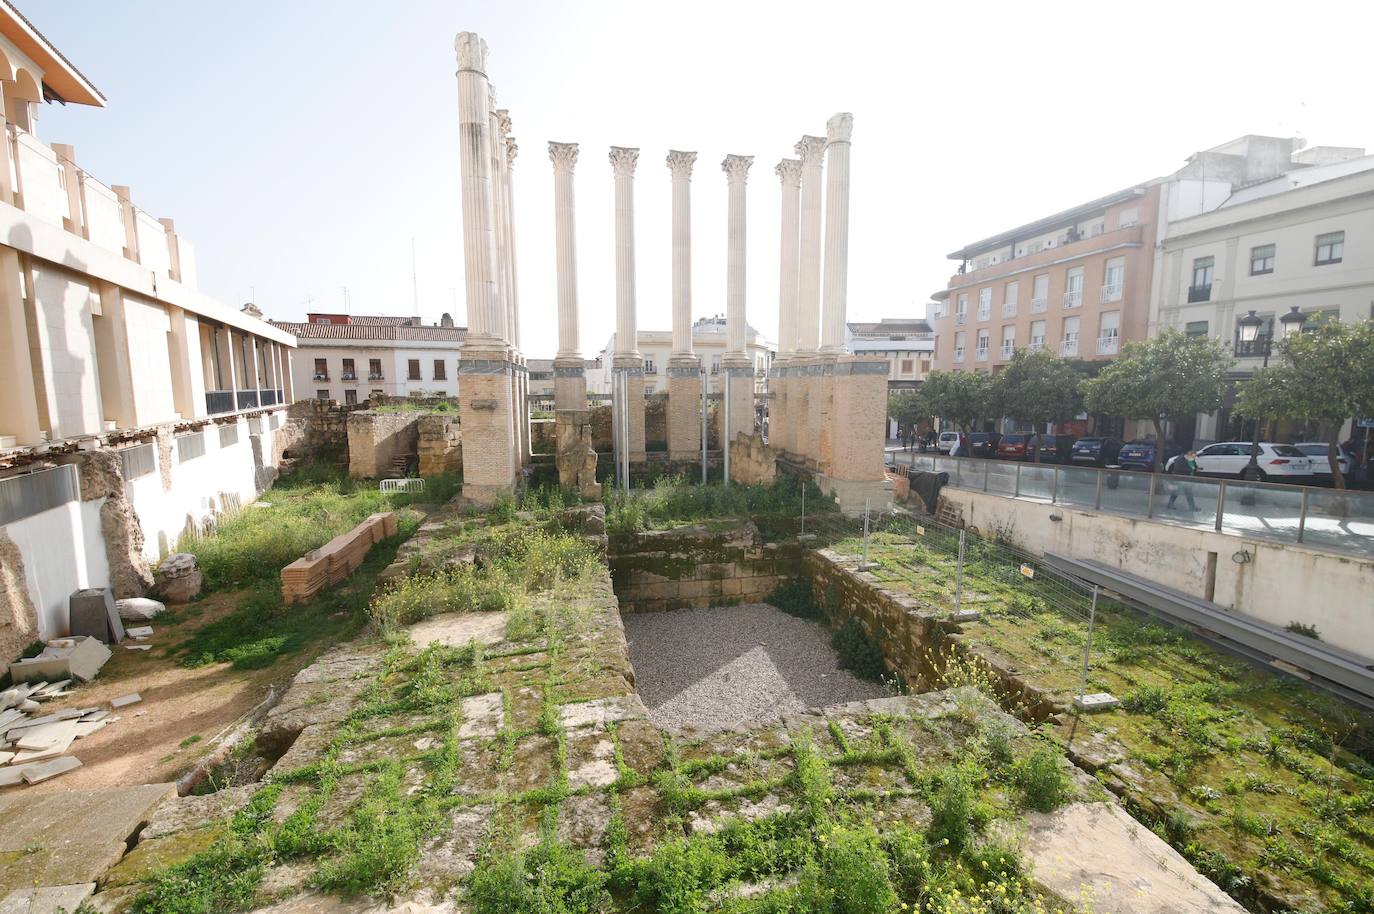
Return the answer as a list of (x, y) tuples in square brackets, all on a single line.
[(38, 773), (125, 700)]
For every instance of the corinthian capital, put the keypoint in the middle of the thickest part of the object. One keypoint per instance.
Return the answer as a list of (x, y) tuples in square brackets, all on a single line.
[(623, 161), (503, 122), (680, 163), (511, 150), (472, 51), (840, 126), (790, 172), (736, 168), (563, 155), (811, 149)]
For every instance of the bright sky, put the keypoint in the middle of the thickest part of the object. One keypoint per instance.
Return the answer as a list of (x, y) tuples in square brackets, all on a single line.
[(300, 146)]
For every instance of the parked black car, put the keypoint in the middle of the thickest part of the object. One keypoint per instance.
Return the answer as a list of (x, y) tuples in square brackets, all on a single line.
[(1053, 448), (1097, 451), (1140, 455), (983, 444)]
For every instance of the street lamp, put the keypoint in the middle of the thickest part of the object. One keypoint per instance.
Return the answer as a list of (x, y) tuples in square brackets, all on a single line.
[(1248, 328)]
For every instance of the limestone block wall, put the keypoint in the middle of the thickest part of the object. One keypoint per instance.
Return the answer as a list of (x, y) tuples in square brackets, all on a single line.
[(374, 439), (696, 566), (440, 445), (751, 461), (18, 617), (656, 423), (316, 430), (543, 437)]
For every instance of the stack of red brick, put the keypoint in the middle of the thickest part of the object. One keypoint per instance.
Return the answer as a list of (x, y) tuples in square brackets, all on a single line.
[(335, 560)]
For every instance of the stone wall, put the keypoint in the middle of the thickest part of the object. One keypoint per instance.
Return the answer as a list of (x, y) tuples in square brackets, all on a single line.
[(752, 462), (440, 444), (375, 439), (543, 437), (656, 422), (18, 615), (315, 430), (100, 476), (696, 566)]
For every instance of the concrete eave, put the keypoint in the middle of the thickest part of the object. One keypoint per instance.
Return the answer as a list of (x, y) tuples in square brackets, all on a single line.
[(59, 73)]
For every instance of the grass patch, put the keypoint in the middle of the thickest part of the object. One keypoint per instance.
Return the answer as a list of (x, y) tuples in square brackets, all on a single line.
[(856, 652), (673, 500)]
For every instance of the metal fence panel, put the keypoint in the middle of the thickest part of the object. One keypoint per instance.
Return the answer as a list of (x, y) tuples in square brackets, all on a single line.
[(33, 493), (191, 446), (228, 435), (137, 461)]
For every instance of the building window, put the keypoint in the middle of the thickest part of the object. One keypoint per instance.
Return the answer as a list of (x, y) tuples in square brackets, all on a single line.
[(715, 364), (439, 373), (374, 369), (1330, 248), (376, 394), (322, 394), (650, 367), (1040, 292), (1037, 335), (1262, 260), (414, 369), (1113, 279), (959, 339), (961, 312), (348, 374), (350, 397), (1201, 289), (1011, 293), (907, 366), (1073, 287), (984, 303), (1195, 328), (321, 370), (1127, 218)]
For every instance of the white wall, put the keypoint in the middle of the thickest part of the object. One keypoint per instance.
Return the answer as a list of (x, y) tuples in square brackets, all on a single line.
[(45, 196), (63, 552), (67, 344), (104, 217), (149, 363)]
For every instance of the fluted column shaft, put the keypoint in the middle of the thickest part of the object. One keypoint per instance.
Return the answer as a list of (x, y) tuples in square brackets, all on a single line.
[(508, 152), (497, 153), (564, 157), (474, 140), (680, 164), (789, 171), (623, 162), (811, 149), (836, 285), (736, 170)]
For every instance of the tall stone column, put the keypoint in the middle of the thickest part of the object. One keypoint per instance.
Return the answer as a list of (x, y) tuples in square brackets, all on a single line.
[(506, 152), (497, 161), (807, 367), (485, 367), (781, 422), (835, 287), (570, 382), (737, 368), (684, 367), (627, 360)]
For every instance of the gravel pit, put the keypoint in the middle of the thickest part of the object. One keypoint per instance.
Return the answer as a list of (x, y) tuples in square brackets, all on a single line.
[(719, 668)]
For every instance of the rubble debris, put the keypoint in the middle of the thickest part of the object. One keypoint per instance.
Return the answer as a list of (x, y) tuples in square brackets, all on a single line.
[(336, 559), (178, 579), (92, 612), (132, 698), (141, 632), (139, 609), (138, 647), (78, 657)]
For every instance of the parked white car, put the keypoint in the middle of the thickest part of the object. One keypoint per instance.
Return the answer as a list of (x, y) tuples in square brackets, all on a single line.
[(946, 442), (1321, 466), (1279, 462)]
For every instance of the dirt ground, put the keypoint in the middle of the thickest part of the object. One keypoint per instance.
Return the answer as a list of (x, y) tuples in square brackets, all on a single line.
[(162, 737)]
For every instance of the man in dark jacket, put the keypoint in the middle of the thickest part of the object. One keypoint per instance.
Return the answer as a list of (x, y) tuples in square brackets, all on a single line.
[(1182, 465)]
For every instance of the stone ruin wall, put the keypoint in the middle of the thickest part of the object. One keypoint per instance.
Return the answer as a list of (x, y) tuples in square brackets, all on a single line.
[(440, 444), (375, 439)]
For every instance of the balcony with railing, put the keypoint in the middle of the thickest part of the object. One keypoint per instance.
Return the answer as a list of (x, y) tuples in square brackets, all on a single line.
[(959, 354), (1009, 309), (1253, 349), (320, 376), (982, 354), (1128, 237), (1006, 352), (376, 376), (984, 313), (1199, 293), (219, 401), (1109, 294), (348, 376), (961, 317), (1068, 348), (1039, 305), (1036, 344), (1073, 298), (1107, 345)]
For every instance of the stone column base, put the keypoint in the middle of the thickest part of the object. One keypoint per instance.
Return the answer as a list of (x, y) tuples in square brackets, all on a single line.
[(779, 428), (635, 402), (851, 495), (684, 408), (575, 456), (569, 384), (486, 404)]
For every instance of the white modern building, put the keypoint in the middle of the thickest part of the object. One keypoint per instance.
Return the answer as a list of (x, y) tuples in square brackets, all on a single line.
[(1304, 240), (708, 342), (907, 343), (355, 357)]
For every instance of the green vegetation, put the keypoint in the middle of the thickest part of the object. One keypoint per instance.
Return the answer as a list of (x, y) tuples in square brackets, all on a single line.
[(441, 407), (857, 652), (1038, 387), (1264, 783), (674, 501), (793, 596), (961, 397)]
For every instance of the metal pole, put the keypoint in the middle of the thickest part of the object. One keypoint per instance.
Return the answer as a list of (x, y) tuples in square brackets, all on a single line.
[(1054, 489), (725, 429), (703, 426), (1016, 490), (865, 561), (1088, 645), (1097, 503), (1302, 515), (1150, 501), (803, 527), (959, 575), (1221, 504)]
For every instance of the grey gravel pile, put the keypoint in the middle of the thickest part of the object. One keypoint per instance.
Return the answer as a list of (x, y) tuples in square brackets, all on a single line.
[(715, 669)]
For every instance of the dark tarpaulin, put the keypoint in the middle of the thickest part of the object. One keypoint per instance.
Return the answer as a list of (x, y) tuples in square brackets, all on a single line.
[(927, 485)]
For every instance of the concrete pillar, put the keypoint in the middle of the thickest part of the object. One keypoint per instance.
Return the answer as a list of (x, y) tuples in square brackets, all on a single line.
[(737, 369), (126, 209), (485, 363), (253, 381), (113, 358), (570, 382), (836, 283), (75, 220), (183, 389), (781, 422), (627, 359), (18, 394), (684, 367)]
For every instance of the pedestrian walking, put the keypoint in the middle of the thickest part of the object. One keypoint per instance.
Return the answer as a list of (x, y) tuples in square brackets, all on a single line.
[(1182, 465)]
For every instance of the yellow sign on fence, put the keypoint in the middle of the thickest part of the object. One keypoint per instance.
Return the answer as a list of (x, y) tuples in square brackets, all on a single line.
[(1028, 571)]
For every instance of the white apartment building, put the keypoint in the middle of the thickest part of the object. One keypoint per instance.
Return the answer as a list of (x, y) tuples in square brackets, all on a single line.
[(907, 343), (708, 341), (106, 345), (1304, 239), (354, 357)]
